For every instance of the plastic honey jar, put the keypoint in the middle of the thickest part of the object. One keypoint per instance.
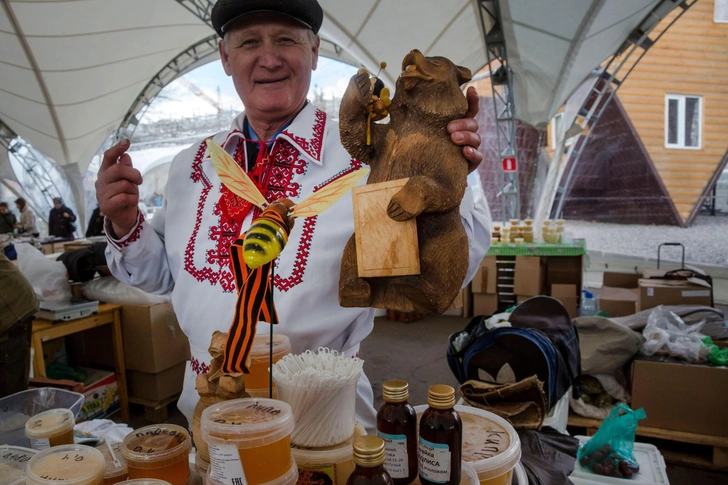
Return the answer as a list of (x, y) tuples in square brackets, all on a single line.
[(158, 451), (201, 467), (13, 462), (258, 381), (114, 474), (66, 465), (144, 481), (336, 462), (249, 441), (50, 428), (490, 445)]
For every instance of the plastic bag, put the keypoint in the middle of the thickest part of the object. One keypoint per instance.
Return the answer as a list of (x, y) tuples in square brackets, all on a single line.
[(49, 278), (111, 290), (666, 332), (610, 451)]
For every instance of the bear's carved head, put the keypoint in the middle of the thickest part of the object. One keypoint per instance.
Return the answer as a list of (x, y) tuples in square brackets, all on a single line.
[(431, 86)]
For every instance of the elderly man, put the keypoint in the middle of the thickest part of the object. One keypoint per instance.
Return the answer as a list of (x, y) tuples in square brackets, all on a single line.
[(291, 149)]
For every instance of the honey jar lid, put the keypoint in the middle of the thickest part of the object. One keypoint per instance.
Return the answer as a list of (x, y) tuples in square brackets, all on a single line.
[(441, 396), (156, 446), (369, 451), (247, 423), (261, 346), (13, 462), (111, 451), (144, 481), (395, 391), (66, 465), (49, 423)]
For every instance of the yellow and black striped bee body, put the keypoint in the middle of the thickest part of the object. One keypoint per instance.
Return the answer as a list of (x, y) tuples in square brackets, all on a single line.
[(268, 234)]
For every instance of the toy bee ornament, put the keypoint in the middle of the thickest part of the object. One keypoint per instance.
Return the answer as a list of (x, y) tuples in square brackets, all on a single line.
[(253, 252)]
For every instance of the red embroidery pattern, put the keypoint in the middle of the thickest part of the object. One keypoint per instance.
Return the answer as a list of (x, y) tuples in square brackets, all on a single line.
[(199, 367), (286, 162), (133, 237), (304, 245), (312, 147)]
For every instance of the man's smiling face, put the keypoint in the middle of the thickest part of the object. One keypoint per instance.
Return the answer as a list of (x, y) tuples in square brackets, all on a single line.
[(270, 59)]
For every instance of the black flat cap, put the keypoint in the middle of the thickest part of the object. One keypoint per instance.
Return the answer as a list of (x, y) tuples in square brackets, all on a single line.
[(307, 12)]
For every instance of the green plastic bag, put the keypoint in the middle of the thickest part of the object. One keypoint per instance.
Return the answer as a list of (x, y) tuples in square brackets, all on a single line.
[(610, 451)]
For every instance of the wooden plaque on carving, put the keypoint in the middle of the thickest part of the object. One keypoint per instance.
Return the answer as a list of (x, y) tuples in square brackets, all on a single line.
[(384, 247)]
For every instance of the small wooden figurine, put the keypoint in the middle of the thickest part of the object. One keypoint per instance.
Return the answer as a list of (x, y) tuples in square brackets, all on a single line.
[(416, 146)]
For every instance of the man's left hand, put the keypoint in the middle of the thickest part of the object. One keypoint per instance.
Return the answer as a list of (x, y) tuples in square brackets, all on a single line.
[(464, 132), (65, 214)]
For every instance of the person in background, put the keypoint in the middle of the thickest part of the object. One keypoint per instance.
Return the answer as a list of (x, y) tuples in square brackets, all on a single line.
[(60, 220), (18, 304), (26, 226), (7, 219), (96, 224)]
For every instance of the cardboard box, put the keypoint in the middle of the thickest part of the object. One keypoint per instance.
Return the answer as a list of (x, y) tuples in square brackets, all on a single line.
[(153, 341), (673, 292), (156, 387), (564, 270), (530, 276), (620, 294), (485, 304), (486, 279), (101, 395), (680, 396), (567, 295)]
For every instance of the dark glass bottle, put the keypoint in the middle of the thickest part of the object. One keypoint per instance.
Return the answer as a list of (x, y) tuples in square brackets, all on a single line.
[(397, 426), (441, 438), (369, 460)]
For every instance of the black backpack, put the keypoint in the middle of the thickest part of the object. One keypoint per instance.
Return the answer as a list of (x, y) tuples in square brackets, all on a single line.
[(529, 347)]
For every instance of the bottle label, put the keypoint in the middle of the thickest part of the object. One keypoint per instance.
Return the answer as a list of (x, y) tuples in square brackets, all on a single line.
[(225, 465), (395, 449), (40, 444), (434, 461)]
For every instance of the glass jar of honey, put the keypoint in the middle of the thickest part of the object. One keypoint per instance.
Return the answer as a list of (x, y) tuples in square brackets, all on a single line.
[(257, 383), (50, 428), (249, 441), (159, 451), (66, 465)]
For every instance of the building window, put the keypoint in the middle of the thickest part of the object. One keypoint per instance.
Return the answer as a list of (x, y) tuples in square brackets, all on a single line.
[(720, 12), (683, 121)]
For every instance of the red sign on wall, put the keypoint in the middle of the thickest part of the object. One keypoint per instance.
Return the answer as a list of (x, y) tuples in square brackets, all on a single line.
[(510, 165)]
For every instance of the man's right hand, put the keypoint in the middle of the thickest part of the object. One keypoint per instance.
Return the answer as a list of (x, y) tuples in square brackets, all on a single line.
[(117, 188)]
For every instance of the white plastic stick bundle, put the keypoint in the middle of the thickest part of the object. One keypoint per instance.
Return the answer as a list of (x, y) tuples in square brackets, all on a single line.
[(321, 390)]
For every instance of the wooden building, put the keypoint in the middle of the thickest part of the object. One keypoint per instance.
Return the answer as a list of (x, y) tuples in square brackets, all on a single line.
[(674, 111)]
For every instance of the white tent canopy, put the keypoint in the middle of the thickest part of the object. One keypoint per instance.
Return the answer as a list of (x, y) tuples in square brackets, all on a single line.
[(70, 70)]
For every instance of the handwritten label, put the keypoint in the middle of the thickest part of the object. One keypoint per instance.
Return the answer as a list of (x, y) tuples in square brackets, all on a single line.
[(395, 450), (225, 465), (434, 461), (16, 457), (491, 446), (40, 444)]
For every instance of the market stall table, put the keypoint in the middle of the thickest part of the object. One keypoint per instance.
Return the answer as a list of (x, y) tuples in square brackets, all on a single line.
[(45, 330)]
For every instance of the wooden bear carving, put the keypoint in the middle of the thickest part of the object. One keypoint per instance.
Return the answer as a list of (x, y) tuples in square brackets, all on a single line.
[(414, 144)]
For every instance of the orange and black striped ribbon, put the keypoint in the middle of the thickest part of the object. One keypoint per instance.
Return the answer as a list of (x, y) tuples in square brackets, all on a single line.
[(255, 303)]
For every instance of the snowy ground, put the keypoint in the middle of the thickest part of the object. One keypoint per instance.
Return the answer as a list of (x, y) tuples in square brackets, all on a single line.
[(706, 241)]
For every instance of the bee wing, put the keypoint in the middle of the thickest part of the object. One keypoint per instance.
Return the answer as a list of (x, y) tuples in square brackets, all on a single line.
[(233, 176), (318, 202)]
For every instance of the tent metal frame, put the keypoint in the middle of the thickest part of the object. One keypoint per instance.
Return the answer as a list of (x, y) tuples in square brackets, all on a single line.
[(638, 43), (501, 78), (196, 55), (33, 164)]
